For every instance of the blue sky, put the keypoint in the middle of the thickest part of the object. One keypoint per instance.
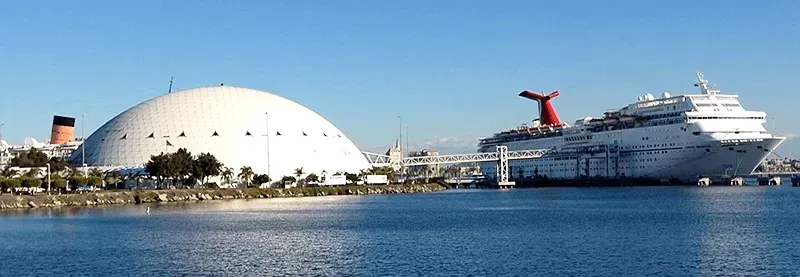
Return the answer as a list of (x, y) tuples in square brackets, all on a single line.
[(452, 69)]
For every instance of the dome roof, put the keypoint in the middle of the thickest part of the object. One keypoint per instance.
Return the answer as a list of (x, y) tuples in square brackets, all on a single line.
[(231, 124)]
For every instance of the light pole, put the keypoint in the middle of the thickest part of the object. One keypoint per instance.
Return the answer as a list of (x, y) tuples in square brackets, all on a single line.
[(83, 144), (269, 173), (48, 178), (400, 145)]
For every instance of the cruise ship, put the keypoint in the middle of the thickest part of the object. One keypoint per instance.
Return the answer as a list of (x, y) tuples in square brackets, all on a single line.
[(674, 137)]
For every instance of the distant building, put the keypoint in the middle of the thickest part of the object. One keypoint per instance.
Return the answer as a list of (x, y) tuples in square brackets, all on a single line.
[(8, 151), (395, 154), (424, 170), (61, 144)]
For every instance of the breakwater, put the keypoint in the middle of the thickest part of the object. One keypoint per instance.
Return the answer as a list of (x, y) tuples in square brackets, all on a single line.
[(183, 195)]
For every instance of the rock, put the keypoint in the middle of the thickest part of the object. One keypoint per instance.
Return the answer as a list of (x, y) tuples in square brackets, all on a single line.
[(32, 204), (161, 197)]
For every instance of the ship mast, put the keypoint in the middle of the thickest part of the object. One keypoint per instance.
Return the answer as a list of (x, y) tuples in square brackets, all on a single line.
[(702, 82)]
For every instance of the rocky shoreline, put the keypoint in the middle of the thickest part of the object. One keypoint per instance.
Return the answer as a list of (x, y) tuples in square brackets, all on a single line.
[(187, 195)]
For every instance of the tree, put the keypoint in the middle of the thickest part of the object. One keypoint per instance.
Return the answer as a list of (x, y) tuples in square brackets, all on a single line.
[(351, 178), (383, 170), (261, 179), (95, 181), (287, 179), (11, 184), (57, 164), (96, 172), (205, 166), (298, 172), (227, 175), (58, 183), (312, 178), (31, 158), (158, 166), (180, 165), (31, 182), (7, 172), (78, 180), (246, 175), (112, 179), (32, 173)]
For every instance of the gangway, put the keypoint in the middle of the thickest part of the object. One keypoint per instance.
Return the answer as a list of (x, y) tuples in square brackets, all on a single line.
[(501, 157), (473, 157)]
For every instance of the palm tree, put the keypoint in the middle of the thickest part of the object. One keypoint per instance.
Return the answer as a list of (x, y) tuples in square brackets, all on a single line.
[(96, 172), (227, 175), (298, 172), (246, 175)]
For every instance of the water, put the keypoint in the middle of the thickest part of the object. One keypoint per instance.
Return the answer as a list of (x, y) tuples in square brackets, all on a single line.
[(648, 231)]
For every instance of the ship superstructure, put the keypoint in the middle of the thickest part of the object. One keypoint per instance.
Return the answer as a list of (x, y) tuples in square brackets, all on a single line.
[(682, 136)]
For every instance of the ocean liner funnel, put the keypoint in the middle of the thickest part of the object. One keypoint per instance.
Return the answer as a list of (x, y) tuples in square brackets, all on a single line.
[(63, 130), (547, 113)]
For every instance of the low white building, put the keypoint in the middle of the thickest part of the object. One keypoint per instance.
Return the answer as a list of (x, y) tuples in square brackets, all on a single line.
[(9, 151)]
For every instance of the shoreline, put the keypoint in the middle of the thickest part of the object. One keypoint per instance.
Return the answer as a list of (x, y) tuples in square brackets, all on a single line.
[(104, 198)]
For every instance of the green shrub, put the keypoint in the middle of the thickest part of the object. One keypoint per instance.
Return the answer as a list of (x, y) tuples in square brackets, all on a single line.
[(31, 182), (11, 183), (78, 181), (58, 183), (95, 181)]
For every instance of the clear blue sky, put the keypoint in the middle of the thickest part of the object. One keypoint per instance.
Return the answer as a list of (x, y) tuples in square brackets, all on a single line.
[(452, 69)]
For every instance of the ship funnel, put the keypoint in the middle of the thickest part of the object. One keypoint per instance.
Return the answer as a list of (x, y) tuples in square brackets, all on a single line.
[(547, 113), (63, 130)]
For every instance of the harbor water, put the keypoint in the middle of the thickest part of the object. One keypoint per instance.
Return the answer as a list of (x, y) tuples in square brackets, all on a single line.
[(631, 231)]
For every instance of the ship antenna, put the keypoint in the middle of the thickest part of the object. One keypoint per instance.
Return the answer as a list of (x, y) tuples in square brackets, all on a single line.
[(170, 84), (702, 82)]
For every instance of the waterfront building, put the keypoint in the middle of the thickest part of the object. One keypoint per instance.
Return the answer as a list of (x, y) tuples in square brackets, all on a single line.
[(431, 170), (62, 150)]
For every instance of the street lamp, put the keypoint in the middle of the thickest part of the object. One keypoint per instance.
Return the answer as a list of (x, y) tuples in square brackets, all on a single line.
[(48, 178), (400, 145), (83, 144), (269, 167)]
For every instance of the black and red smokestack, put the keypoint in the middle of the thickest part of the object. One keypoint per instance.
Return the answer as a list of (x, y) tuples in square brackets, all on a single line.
[(547, 114), (63, 130)]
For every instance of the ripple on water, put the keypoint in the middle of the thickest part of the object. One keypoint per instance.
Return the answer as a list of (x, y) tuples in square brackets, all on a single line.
[(523, 232)]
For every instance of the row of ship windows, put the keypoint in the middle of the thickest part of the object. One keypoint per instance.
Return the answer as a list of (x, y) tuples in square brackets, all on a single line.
[(578, 138), (726, 117), (621, 161), (216, 134), (651, 146)]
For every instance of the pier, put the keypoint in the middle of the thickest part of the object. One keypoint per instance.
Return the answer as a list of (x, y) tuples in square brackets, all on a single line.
[(608, 153)]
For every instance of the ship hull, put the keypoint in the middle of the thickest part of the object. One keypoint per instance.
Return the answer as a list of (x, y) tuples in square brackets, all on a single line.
[(663, 153)]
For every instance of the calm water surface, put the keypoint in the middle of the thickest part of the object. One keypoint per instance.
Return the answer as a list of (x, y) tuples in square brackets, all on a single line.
[(661, 231)]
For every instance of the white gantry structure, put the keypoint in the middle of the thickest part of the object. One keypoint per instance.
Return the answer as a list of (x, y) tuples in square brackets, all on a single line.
[(501, 157)]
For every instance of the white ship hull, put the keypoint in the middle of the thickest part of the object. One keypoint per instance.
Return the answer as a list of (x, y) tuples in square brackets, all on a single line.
[(682, 137), (681, 156)]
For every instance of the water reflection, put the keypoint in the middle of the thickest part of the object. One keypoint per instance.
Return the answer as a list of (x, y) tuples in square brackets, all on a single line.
[(737, 229), (524, 232)]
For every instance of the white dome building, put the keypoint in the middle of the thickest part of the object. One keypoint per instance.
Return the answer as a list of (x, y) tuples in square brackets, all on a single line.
[(232, 124)]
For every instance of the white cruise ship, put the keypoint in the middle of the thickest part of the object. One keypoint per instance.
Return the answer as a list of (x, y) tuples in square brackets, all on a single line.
[(683, 137)]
